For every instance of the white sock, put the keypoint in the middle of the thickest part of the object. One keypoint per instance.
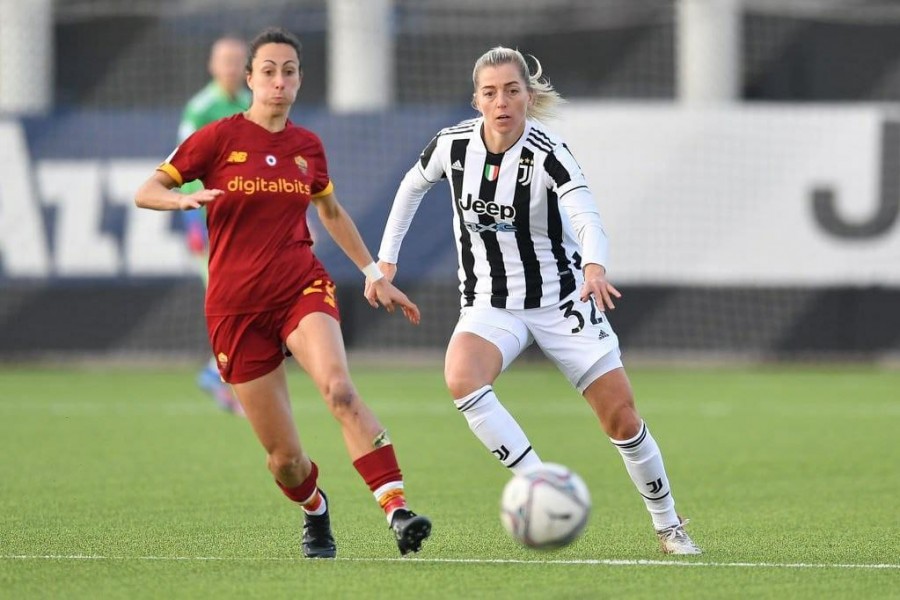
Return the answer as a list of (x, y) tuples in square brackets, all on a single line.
[(497, 429), (389, 488), (323, 506), (644, 464)]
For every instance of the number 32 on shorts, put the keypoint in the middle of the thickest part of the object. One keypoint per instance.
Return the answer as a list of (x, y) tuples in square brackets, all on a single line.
[(569, 310)]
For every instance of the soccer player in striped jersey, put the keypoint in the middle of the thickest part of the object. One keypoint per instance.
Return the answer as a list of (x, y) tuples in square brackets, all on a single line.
[(532, 258), (268, 291), (225, 95)]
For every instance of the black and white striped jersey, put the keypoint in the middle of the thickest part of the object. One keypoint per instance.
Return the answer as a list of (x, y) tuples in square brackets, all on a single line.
[(524, 220)]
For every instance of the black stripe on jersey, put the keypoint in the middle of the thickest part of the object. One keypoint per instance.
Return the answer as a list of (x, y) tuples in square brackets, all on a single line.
[(464, 127), (425, 157), (543, 136), (466, 258), (486, 193), (556, 170), (522, 222), (422, 173), (555, 233), (539, 143), (577, 258)]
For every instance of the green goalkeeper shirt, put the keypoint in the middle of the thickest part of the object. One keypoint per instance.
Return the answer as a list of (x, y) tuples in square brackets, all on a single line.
[(209, 104)]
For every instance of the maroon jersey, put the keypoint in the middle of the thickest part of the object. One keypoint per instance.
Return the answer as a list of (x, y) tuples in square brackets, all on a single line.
[(259, 242)]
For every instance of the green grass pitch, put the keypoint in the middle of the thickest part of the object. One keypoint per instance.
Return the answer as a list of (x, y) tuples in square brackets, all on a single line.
[(129, 483)]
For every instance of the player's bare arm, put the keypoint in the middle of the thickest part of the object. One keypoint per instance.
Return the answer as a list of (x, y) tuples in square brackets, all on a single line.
[(157, 193), (596, 285), (343, 231)]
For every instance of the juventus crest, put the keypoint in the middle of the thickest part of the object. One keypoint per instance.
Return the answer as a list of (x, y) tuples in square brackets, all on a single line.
[(526, 170)]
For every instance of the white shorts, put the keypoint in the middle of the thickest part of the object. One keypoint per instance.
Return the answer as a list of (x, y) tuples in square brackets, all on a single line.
[(573, 334)]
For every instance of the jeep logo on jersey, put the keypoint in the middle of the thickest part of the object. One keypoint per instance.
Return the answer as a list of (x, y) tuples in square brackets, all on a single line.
[(501, 212)]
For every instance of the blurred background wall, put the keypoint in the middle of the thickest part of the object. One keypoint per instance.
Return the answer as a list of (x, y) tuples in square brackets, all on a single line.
[(745, 155)]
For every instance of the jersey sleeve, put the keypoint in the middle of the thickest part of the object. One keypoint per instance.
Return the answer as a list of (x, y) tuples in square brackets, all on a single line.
[(575, 198), (430, 166), (563, 171), (427, 171), (321, 182), (193, 157)]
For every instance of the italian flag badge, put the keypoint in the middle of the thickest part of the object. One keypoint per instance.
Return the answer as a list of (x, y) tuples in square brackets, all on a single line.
[(491, 172)]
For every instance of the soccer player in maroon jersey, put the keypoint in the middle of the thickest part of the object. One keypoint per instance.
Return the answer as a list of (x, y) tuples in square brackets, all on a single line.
[(268, 292)]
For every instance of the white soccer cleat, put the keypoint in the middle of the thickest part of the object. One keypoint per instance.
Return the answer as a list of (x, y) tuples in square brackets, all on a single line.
[(675, 540)]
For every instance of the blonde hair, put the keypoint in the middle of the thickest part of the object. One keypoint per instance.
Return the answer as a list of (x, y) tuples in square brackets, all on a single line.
[(546, 99)]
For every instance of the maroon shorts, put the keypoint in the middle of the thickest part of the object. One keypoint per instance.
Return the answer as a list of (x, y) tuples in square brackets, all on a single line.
[(248, 346)]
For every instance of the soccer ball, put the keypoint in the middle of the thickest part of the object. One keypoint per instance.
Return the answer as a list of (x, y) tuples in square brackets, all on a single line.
[(545, 507)]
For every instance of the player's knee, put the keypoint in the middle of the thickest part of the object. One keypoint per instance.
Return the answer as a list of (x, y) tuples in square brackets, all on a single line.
[(340, 395), (285, 466), (616, 411), (462, 382), (622, 420)]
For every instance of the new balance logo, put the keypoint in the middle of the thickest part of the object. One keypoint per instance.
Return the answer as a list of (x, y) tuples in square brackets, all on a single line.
[(237, 157), (655, 486), (502, 453), (456, 166)]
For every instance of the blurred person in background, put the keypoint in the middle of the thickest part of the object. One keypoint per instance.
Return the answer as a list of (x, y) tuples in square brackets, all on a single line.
[(225, 95), (532, 257), (268, 293)]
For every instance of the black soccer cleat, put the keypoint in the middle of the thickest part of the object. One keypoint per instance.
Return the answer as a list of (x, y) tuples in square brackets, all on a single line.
[(410, 530), (318, 542)]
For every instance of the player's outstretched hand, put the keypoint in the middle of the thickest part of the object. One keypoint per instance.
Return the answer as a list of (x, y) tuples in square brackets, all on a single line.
[(198, 198), (388, 296), (596, 285), (389, 270)]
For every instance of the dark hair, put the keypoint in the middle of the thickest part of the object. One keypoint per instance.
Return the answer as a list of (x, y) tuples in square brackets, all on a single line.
[(273, 35)]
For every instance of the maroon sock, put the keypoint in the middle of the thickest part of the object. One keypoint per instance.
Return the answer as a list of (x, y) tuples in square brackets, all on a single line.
[(303, 491), (381, 473), (379, 467)]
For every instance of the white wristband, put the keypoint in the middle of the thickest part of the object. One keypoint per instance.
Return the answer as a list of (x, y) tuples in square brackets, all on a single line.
[(372, 272)]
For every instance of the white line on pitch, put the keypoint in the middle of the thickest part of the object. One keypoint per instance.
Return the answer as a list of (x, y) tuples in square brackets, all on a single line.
[(487, 561)]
